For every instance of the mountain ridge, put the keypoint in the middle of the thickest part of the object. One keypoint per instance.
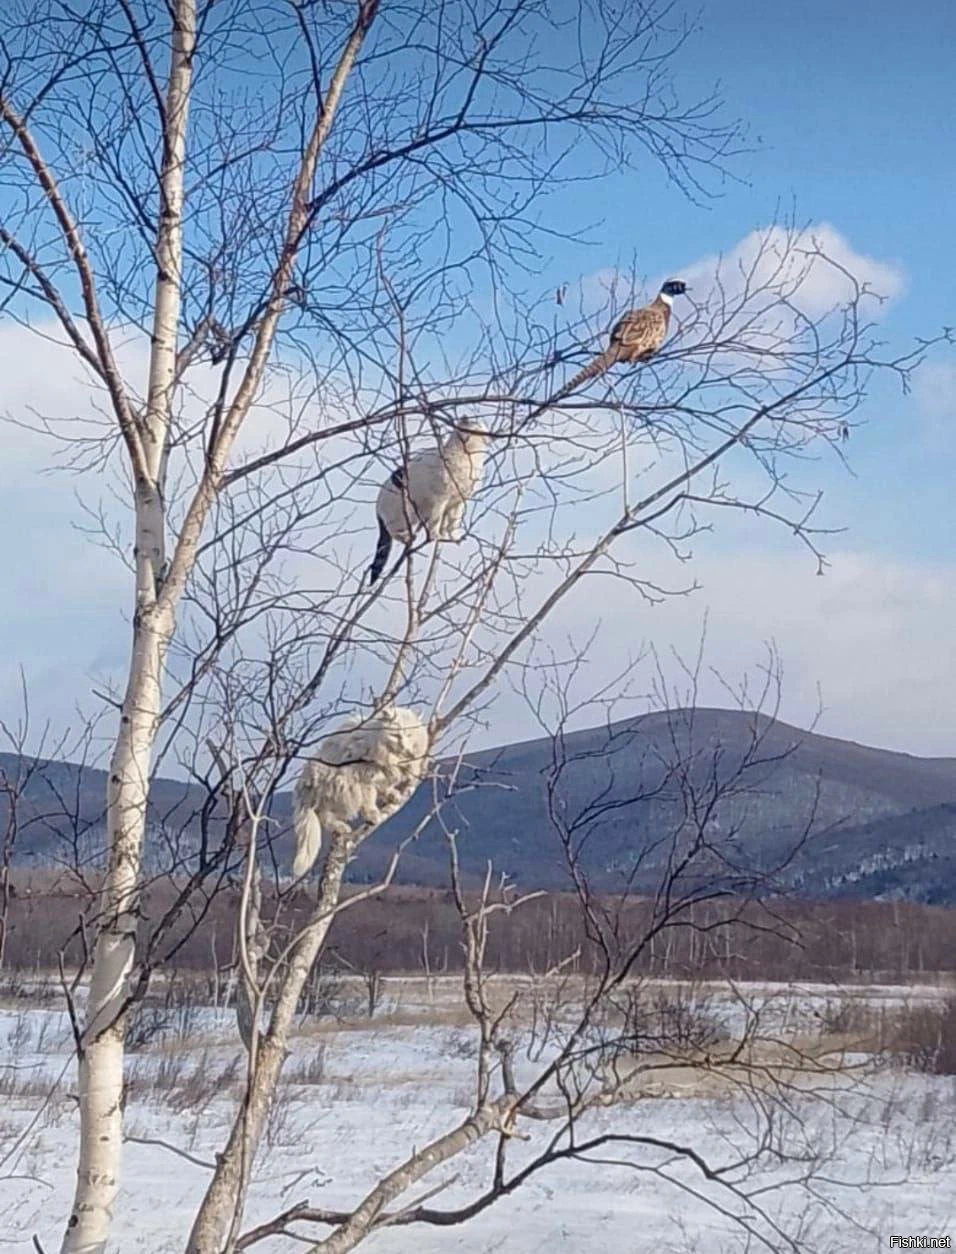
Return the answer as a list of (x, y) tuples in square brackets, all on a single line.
[(885, 820)]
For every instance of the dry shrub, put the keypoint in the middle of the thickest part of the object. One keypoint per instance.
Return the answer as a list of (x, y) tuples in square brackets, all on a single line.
[(686, 1019), (147, 1025), (330, 994), (310, 1070), (24, 1083), (172, 1014), (461, 1044), (678, 1020), (920, 1035), (18, 987), (280, 1130), (203, 1084), (857, 1018), (184, 1082), (924, 1037)]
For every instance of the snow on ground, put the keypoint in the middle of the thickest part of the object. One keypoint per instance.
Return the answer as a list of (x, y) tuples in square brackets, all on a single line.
[(363, 1094)]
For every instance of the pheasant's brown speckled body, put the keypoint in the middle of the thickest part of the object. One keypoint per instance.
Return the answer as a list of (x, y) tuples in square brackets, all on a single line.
[(634, 337)]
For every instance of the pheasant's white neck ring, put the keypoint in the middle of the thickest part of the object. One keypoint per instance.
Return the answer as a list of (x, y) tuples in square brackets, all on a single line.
[(668, 300)]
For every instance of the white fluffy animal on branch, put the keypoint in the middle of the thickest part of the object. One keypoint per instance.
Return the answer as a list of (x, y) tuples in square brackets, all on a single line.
[(430, 491), (365, 770)]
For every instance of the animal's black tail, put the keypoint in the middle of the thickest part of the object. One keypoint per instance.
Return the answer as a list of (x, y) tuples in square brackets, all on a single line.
[(382, 550)]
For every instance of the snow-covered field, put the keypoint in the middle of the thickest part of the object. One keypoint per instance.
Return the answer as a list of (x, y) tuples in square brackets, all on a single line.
[(845, 1161)]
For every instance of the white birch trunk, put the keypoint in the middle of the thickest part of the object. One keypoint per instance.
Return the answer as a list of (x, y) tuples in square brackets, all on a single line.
[(352, 1233), (101, 1061), (214, 1221), (102, 1051)]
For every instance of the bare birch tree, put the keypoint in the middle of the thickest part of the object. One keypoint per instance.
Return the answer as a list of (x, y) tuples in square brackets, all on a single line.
[(283, 241), (557, 1047)]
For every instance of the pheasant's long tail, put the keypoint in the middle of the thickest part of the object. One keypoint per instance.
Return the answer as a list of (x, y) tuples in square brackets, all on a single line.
[(592, 369)]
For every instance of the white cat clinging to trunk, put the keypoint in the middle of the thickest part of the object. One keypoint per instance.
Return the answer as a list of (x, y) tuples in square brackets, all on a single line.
[(430, 491), (365, 770)]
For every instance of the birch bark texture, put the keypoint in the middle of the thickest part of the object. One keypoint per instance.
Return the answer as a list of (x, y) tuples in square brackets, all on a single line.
[(101, 1049)]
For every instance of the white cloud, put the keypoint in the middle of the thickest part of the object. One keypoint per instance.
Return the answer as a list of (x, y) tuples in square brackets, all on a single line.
[(817, 266)]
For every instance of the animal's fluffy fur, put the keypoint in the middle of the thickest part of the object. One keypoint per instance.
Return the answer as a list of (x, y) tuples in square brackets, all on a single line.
[(429, 491), (365, 770)]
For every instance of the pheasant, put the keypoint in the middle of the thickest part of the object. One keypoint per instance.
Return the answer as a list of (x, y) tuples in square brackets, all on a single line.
[(636, 336)]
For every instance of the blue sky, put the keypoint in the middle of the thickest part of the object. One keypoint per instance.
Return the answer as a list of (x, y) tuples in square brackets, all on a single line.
[(854, 104), (849, 107), (850, 112)]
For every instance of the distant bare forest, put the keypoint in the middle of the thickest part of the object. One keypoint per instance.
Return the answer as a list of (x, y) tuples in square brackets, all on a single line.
[(417, 930)]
